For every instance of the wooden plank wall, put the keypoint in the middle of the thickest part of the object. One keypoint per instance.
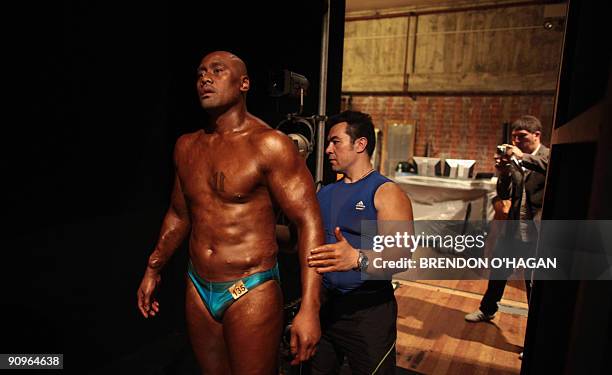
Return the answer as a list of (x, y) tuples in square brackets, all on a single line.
[(498, 50), (374, 55)]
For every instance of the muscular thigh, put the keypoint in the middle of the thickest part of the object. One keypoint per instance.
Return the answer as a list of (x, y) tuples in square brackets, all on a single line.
[(252, 329), (206, 335)]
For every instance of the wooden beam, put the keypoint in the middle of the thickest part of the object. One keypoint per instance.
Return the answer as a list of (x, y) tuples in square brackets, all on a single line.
[(461, 82), (452, 6)]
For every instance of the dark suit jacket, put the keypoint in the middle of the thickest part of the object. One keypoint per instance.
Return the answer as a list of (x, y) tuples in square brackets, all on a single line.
[(510, 185)]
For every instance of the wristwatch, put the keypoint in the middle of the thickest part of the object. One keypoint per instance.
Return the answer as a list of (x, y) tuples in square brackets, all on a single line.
[(362, 262)]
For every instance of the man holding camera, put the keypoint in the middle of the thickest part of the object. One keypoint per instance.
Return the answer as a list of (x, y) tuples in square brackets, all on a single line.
[(522, 173)]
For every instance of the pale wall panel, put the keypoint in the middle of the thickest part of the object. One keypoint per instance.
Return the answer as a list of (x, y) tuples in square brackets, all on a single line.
[(494, 50), (374, 55), (493, 41)]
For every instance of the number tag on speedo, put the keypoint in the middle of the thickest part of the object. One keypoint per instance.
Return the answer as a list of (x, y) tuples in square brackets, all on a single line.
[(238, 289)]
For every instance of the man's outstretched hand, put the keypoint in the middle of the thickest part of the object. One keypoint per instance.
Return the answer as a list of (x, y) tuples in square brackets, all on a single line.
[(147, 304), (336, 257)]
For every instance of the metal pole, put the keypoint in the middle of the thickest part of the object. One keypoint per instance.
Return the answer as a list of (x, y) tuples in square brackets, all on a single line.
[(322, 96)]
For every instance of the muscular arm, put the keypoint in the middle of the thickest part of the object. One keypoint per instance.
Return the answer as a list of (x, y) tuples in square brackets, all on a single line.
[(394, 215), (175, 228), (292, 188)]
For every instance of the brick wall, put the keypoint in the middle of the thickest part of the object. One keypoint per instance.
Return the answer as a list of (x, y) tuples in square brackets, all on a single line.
[(459, 127)]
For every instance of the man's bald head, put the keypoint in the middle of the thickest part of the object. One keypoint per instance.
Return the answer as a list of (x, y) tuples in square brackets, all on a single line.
[(226, 56)]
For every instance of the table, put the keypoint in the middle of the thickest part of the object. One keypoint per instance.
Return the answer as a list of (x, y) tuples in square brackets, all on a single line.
[(443, 198)]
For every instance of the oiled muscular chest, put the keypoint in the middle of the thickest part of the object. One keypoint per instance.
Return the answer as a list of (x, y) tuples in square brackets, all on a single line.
[(227, 174)]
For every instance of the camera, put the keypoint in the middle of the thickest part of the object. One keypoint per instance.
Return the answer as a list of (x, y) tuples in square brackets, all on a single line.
[(503, 156), (502, 149)]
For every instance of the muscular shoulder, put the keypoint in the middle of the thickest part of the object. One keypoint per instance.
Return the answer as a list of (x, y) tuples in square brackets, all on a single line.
[(185, 141), (273, 145), (271, 141), (388, 190), (392, 203), (183, 144)]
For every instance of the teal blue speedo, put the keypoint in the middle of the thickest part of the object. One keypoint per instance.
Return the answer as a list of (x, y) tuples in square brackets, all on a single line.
[(217, 296)]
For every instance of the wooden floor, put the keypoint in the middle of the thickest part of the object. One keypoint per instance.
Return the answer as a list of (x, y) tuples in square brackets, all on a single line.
[(434, 338)]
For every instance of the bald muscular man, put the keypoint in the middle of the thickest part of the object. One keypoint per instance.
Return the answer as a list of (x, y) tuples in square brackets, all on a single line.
[(229, 176)]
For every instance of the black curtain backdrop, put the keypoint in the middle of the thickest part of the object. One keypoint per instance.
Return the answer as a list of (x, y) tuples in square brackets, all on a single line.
[(99, 93)]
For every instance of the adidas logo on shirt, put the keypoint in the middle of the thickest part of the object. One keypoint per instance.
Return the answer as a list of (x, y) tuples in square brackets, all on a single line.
[(360, 206)]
